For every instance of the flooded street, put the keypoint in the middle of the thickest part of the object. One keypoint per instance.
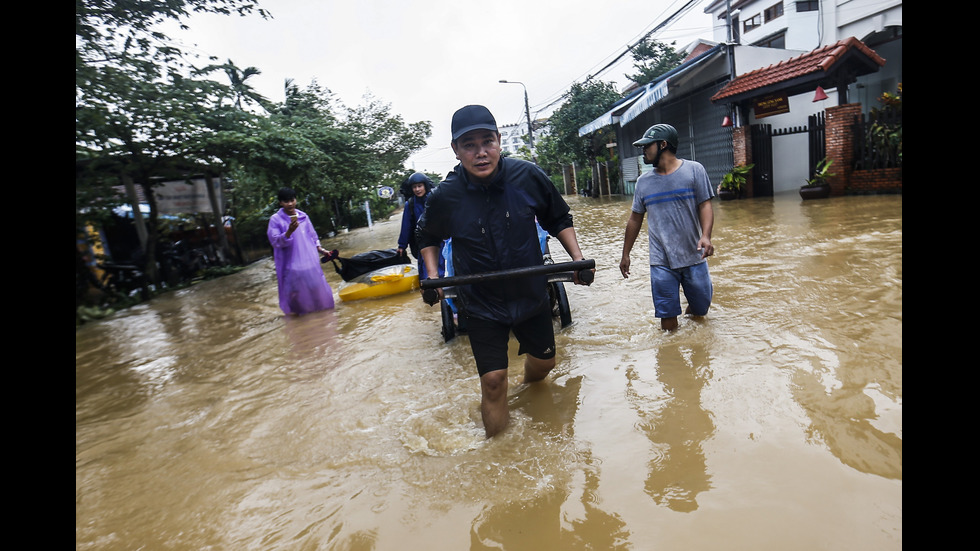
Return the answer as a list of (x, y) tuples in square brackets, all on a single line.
[(204, 419)]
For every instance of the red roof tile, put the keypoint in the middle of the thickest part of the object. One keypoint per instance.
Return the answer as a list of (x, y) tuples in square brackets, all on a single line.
[(818, 61), (698, 50)]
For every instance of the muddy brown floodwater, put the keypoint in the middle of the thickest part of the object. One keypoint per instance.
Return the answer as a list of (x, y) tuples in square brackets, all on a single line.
[(205, 420)]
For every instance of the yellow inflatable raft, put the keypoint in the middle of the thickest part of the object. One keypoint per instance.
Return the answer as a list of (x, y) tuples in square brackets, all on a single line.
[(382, 282)]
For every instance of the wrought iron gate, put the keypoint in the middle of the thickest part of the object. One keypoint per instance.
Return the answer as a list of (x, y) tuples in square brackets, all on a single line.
[(762, 135), (817, 141)]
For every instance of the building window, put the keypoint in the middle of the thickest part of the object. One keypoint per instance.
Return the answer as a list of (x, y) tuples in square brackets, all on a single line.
[(774, 11), (807, 5), (778, 41), (753, 22)]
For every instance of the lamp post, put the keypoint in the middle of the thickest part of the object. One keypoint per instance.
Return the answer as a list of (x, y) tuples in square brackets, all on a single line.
[(527, 111)]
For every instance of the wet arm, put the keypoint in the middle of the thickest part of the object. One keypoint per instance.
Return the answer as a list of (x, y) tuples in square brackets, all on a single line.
[(706, 214), (430, 232), (569, 240), (632, 230), (430, 256), (407, 230)]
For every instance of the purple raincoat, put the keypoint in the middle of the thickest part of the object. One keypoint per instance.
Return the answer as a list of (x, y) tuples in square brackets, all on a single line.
[(302, 286)]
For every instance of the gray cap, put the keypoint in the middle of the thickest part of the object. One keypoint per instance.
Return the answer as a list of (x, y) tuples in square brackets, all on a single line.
[(472, 117)]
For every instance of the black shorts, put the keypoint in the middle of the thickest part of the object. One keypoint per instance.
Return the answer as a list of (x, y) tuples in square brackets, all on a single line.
[(489, 339)]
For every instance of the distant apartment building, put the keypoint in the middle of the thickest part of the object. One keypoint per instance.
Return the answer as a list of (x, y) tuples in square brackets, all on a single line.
[(514, 136)]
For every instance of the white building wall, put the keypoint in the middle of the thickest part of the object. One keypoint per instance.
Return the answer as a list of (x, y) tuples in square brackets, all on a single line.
[(859, 18), (801, 28), (750, 58), (808, 30)]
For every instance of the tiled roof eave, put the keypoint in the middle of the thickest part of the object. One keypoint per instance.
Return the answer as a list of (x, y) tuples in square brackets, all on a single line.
[(806, 80), (818, 66)]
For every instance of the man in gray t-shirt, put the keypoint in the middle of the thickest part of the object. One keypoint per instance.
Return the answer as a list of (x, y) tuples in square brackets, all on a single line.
[(676, 195)]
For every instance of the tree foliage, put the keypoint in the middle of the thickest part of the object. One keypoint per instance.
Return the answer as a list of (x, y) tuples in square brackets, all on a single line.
[(243, 95), (134, 111), (587, 101), (652, 59), (144, 113), (562, 145)]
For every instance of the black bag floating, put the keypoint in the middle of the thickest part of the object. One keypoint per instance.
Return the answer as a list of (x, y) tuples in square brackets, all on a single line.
[(362, 263)]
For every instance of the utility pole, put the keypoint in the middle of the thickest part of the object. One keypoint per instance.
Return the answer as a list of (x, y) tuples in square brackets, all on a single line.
[(527, 112)]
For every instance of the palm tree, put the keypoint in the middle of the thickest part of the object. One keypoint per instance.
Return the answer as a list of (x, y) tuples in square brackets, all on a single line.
[(241, 90)]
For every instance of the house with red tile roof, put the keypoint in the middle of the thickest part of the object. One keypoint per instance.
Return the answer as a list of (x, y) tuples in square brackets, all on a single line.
[(759, 74)]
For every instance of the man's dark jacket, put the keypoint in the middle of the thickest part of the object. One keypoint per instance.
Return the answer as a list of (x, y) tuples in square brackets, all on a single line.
[(492, 228)]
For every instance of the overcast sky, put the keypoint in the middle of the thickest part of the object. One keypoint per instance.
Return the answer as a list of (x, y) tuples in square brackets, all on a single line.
[(427, 58)]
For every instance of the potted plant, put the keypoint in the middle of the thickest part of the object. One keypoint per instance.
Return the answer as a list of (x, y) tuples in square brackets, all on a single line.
[(817, 187), (732, 182)]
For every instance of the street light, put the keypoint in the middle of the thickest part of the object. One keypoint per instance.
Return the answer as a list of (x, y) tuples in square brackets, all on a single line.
[(527, 110)]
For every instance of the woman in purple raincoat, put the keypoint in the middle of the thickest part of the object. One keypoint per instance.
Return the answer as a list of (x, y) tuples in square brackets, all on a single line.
[(296, 248)]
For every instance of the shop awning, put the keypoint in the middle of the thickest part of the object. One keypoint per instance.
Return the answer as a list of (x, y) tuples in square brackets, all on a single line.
[(655, 92), (612, 116), (651, 94)]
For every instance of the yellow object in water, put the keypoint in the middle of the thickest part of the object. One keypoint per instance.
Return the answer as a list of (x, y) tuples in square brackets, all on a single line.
[(383, 282)]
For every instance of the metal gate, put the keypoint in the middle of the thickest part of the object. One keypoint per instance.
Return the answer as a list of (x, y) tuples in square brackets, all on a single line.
[(818, 142), (762, 135)]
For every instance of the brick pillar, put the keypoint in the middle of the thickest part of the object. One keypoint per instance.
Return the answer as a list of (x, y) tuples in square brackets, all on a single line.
[(839, 142), (742, 154)]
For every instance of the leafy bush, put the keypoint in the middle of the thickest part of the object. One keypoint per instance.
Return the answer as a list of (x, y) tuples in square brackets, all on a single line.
[(821, 173), (735, 179)]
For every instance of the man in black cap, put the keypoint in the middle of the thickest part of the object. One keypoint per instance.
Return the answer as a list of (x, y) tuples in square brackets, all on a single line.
[(488, 206)]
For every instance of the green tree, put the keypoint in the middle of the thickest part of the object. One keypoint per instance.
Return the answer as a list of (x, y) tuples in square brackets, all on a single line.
[(144, 114), (107, 31), (242, 92), (136, 128), (381, 144), (562, 145), (385, 137), (339, 155), (134, 111), (652, 58)]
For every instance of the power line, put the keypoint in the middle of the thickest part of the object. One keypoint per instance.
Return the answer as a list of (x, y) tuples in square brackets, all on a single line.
[(638, 38), (629, 48)]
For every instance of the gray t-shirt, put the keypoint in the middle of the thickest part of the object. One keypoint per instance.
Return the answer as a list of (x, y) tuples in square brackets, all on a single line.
[(671, 204)]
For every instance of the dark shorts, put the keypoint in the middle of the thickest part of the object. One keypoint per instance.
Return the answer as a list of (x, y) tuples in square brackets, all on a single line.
[(489, 339)]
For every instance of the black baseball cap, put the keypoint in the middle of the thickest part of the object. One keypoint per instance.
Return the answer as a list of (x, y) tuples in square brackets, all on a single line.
[(472, 117)]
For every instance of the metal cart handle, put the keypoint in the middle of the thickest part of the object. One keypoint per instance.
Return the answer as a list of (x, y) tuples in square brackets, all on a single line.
[(562, 271)]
